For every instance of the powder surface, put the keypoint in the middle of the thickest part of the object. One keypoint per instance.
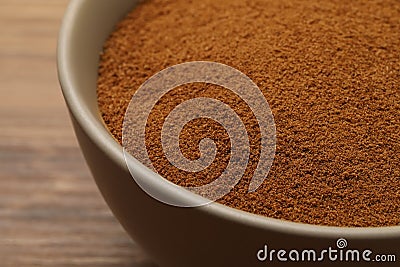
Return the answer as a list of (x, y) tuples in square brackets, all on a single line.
[(330, 72)]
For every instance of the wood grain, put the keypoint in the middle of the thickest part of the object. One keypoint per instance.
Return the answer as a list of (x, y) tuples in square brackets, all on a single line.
[(51, 213)]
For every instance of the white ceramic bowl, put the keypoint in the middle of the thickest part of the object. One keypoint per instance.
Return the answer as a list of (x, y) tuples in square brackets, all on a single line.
[(212, 235)]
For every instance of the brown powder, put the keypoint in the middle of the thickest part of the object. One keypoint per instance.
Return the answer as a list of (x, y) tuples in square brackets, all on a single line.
[(330, 72)]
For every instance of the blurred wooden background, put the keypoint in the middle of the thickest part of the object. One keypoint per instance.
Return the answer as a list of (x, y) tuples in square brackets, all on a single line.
[(51, 213)]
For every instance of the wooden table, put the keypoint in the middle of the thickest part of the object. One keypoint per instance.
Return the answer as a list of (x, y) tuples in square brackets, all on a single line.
[(51, 213)]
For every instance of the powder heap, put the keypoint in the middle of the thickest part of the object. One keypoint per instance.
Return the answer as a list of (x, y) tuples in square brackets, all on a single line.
[(330, 72)]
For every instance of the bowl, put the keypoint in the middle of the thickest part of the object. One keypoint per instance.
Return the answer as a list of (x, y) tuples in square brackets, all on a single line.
[(208, 235)]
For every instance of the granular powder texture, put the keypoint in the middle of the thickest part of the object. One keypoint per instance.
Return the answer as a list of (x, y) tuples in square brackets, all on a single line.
[(330, 72)]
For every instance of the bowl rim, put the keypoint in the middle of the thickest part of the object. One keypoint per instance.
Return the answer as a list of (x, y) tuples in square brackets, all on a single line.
[(97, 132)]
